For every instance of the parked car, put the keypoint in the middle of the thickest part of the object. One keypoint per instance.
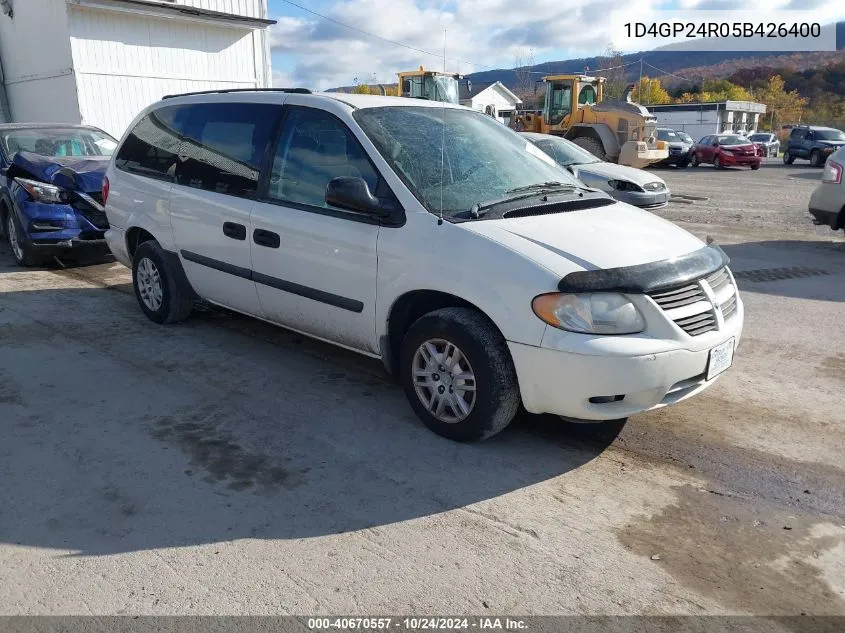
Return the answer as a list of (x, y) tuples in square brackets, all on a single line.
[(726, 150), (51, 179), (827, 204), (767, 141), (627, 184), (428, 235), (680, 149), (812, 143)]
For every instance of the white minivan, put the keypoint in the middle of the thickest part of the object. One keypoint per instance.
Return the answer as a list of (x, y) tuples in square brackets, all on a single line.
[(428, 235)]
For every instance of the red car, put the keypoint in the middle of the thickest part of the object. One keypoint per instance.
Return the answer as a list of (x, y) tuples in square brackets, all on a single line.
[(726, 150)]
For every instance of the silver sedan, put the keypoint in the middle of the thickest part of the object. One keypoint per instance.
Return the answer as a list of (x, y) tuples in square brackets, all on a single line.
[(627, 184)]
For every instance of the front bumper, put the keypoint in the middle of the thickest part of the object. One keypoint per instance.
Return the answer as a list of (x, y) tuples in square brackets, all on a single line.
[(561, 381), (827, 205), (643, 199), (740, 161)]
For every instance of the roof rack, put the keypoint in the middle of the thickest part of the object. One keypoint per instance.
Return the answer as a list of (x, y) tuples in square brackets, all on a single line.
[(299, 91)]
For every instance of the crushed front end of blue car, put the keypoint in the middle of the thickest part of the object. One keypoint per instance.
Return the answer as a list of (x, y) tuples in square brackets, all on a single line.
[(59, 202)]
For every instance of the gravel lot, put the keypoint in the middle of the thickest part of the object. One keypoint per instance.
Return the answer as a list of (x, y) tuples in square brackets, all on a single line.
[(224, 466)]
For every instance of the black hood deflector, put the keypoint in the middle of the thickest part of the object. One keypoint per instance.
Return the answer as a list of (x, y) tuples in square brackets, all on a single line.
[(644, 278)]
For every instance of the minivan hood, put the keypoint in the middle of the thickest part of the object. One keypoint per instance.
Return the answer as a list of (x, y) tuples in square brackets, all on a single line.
[(592, 239)]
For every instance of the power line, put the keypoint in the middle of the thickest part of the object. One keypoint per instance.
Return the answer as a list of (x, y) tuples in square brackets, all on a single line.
[(455, 59), (384, 39), (666, 72)]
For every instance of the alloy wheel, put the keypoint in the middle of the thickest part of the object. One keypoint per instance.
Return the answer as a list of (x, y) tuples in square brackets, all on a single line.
[(14, 241)]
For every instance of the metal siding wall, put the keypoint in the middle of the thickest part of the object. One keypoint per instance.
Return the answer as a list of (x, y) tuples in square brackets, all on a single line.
[(124, 62), (249, 8), (37, 63)]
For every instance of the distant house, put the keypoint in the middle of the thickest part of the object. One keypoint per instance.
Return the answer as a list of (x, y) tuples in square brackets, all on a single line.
[(701, 119), (491, 98), (100, 62)]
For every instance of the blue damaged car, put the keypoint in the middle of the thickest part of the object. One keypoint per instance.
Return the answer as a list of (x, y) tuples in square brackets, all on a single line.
[(51, 200)]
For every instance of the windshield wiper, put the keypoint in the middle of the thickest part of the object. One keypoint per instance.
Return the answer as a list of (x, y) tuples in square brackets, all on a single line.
[(528, 191), (540, 185)]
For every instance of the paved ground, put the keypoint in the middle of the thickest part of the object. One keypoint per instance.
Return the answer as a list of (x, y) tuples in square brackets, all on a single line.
[(225, 466)]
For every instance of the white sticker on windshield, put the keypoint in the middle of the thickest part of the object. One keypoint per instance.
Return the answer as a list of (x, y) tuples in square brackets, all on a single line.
[(536, 151), (106, 144)]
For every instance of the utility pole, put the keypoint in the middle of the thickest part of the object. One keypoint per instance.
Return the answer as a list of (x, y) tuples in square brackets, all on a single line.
[(640, 86)]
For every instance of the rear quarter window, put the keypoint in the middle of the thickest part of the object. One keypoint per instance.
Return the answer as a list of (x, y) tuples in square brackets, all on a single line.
[(152, 146), (224, 146)]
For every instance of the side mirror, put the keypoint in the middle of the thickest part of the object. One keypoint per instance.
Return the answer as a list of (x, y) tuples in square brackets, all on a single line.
[(354, 194)]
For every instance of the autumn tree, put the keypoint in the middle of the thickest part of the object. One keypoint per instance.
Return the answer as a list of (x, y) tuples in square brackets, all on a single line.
[(362, 89), (781, 106), (650, 91), (610, 67)]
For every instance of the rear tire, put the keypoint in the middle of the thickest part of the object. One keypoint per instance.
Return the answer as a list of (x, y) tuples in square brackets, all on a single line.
[(162, 291), (788, 158), (457, 356), (694, 161), (816, 158), (22, 250), (591, 145)]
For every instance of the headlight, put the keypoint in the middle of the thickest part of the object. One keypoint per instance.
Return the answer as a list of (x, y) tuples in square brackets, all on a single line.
[(623, 185), (593, 313), (727, 152), (42, 192)]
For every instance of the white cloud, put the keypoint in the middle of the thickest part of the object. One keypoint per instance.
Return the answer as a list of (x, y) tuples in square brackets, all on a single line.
[(488, 33)]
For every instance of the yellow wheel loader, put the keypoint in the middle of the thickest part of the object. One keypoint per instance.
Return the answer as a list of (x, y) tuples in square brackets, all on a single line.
[(617, 131), (430, 84)]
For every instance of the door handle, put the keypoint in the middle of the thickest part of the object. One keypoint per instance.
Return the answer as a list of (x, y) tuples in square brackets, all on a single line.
[(234, 230), (266, 238)]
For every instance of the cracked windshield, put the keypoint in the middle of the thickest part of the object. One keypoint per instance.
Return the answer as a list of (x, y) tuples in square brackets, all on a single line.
[(482, 159)]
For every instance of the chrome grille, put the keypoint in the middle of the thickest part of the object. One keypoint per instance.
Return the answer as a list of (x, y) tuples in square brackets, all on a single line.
[(700, 306), (679, 297)]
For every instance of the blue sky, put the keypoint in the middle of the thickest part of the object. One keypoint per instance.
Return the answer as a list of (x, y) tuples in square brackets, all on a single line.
[(480, 34)]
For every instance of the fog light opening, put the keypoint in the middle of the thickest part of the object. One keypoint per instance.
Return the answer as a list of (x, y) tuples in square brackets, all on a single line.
[(606, 399)]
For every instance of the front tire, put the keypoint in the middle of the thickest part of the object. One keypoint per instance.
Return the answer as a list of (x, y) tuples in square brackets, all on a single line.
[(816, 158), (22, 251), (717, 163), (162, 291), (694, 161), (591, 145), (458, 374)]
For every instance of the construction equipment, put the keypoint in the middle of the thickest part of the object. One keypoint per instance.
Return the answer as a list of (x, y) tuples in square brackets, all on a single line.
[(614, 130), (430, 84)]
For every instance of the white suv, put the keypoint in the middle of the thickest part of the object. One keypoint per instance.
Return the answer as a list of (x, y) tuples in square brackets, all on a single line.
[(428, 235)]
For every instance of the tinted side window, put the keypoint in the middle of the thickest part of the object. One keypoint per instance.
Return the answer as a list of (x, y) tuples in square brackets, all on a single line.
[(224, 145), (315, 147), (797, 134), (151, 148)]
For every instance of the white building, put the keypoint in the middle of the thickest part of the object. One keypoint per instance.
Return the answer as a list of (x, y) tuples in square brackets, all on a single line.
[(491, 98), (99, 62), (702, 119)]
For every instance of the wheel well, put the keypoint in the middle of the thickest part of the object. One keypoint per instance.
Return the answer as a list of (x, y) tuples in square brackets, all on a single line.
[(406, 310), (585, 131), (135, 237)]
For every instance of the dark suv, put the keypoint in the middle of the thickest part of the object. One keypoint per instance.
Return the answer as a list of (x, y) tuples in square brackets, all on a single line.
[(813, 143)]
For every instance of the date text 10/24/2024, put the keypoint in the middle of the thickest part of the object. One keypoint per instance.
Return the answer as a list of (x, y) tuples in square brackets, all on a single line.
[(417, 624)]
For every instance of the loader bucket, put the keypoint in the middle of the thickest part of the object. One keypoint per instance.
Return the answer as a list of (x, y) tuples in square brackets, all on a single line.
[(638, 154)]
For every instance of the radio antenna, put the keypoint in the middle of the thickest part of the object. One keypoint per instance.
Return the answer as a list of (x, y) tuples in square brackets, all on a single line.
[(442, 133)]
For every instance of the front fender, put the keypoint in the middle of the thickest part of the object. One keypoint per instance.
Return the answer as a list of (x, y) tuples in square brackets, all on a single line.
[(498, 281)]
